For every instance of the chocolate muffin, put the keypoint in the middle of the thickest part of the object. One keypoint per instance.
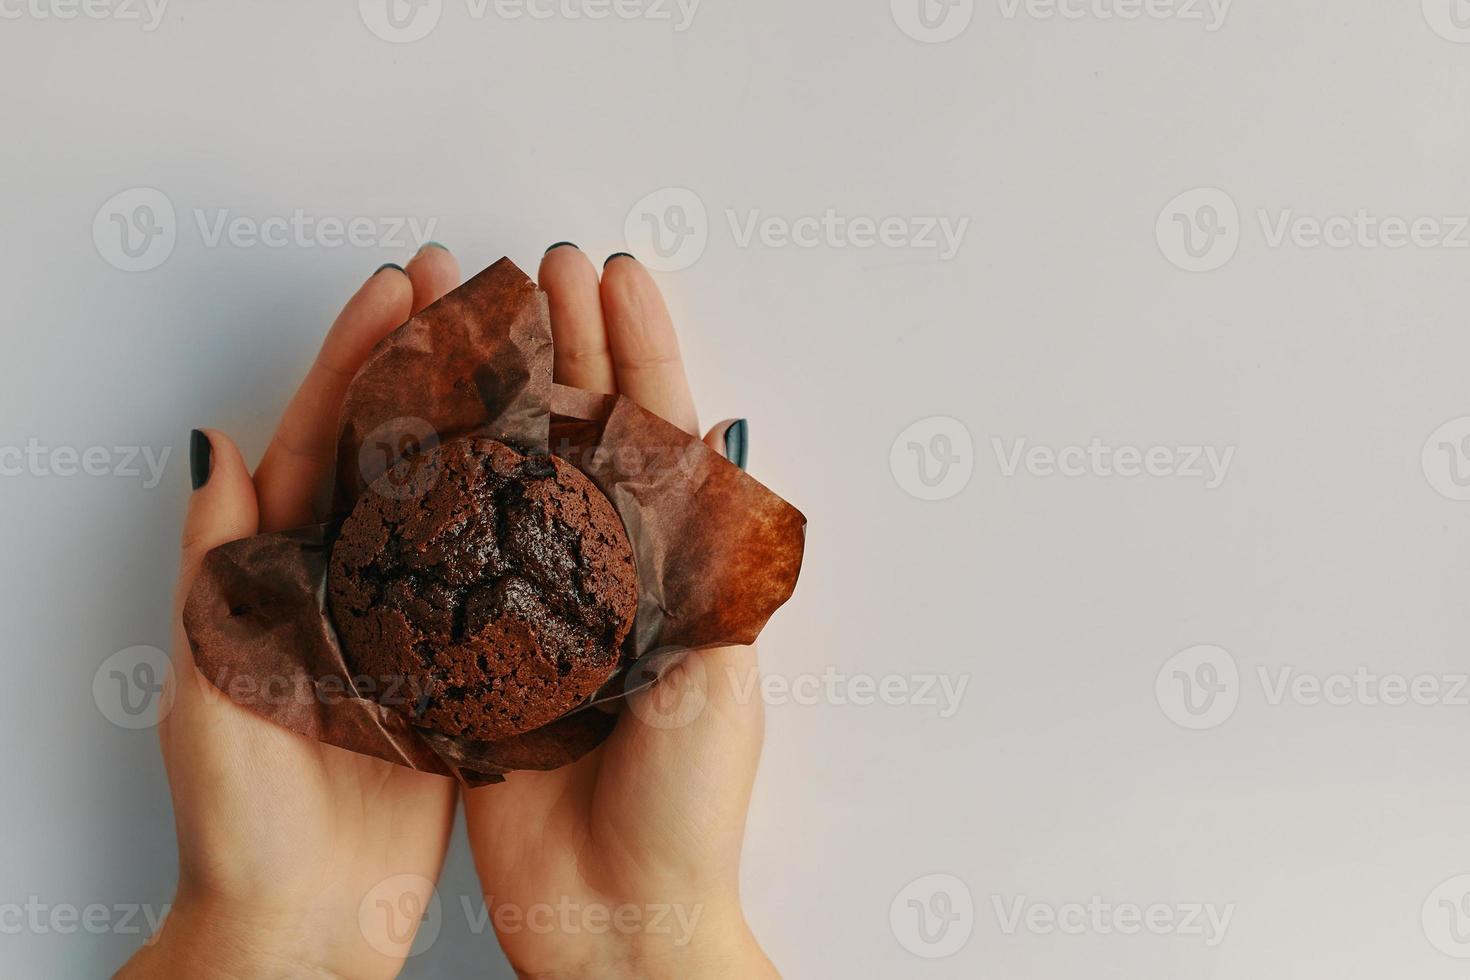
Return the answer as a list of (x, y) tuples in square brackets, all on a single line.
[(489, 601)]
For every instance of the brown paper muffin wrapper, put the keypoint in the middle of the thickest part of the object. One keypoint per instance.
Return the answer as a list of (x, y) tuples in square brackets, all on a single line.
[(717, 552)]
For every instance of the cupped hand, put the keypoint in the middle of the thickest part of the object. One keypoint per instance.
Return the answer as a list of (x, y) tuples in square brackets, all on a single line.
[(627, 862), (282, 838)]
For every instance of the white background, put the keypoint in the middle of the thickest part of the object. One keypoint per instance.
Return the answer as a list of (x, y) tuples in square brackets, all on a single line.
[(1062, 318)]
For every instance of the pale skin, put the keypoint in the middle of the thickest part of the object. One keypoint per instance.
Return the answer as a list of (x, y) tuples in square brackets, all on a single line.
[(281, 839)]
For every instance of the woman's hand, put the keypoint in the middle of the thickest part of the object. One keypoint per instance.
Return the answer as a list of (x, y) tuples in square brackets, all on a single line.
[(626, 864), (281, 838)]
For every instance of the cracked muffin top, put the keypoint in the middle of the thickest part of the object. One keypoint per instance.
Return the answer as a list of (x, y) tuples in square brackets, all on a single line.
[(481, 591)]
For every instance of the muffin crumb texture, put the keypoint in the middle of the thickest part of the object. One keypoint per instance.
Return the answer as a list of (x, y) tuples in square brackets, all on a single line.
[(490, 603)]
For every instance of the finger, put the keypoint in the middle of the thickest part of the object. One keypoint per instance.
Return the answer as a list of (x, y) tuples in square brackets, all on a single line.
[(223, 506), (291, 481), (434, 271), (579, 338), (731, 439), (645, 350)]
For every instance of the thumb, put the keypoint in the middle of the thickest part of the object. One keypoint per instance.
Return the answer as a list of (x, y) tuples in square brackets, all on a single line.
[(223, 506), (704, 718), (727, 675), (725, 671), (222, 509)]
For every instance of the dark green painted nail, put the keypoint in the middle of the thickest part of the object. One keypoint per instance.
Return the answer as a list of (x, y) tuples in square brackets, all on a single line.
[(201, 455), (387, 265), (618, 255), (552, 248), (439, 245), (737, 442)]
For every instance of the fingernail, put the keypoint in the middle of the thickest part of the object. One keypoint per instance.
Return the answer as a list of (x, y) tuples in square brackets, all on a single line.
[(551, 248), (387, 265), (737, 442), (201, 455), (439, 245), (615, 255)]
